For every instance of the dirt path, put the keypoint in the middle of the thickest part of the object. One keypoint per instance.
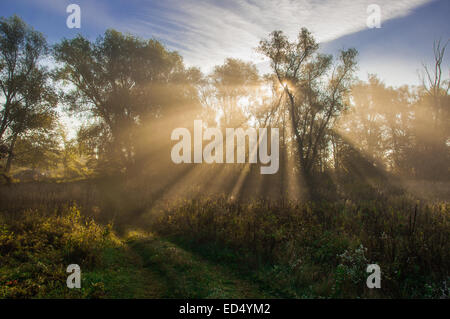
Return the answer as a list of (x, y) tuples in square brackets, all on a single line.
[(172, 272)]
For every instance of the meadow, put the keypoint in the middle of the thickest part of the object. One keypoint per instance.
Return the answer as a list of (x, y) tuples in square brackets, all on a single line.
[(214, 247)]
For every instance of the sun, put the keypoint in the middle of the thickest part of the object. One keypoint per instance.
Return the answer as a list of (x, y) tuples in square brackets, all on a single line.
[(284, 85)]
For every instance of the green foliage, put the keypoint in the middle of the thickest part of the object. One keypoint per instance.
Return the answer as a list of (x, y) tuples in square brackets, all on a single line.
[(183, 274), (350, 272), (284, 249), (122, 82), (28, 98), (322, 249), (36, 248)]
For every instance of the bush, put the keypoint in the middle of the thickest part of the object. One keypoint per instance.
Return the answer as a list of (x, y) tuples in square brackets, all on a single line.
[(36, 248)]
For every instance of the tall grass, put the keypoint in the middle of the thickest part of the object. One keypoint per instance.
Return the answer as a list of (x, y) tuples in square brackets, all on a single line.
[(291, 248), (321, 248)]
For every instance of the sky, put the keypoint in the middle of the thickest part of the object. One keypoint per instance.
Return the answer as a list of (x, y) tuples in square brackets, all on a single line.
[(206, 32)]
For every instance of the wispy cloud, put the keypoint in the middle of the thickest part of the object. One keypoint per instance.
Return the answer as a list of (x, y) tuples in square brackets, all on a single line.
[(207, 31)]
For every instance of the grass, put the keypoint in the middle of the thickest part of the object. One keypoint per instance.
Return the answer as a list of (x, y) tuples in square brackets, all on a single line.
[(211, 247), (187, 275), (37, 247), (321, 249)]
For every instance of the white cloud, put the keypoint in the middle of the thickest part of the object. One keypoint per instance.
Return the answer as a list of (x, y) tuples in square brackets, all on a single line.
[(205, 32)]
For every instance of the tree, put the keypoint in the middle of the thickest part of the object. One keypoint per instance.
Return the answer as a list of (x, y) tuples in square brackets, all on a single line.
[(233, 82), (379, 123), (40, 148), (316, 90), (27, 95), (431, 123), (123, 82)]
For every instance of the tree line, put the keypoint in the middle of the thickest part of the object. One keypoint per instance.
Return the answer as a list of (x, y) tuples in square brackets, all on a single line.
[(131, 92)]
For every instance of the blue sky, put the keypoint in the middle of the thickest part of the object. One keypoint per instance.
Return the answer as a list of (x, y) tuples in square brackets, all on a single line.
[(206, 32)]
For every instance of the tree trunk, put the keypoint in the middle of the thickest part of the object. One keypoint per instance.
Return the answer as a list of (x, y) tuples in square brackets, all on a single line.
[(10, 154)]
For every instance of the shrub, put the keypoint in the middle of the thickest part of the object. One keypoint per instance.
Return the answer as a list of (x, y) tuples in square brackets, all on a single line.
[(36, 248)]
